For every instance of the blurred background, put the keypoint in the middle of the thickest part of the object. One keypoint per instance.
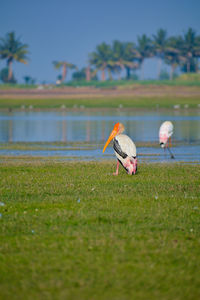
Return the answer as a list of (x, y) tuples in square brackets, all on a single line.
[(149, 37), (69, 70)]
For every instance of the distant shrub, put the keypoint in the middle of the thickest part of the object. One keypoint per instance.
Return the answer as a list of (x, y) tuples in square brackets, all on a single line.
[(164, 75), (79, 75), (29, 80), (189, 77), (134, 77), (4, 76)]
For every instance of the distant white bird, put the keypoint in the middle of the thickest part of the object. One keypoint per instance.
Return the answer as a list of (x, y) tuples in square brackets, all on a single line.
[(165, 133), (125, 149)]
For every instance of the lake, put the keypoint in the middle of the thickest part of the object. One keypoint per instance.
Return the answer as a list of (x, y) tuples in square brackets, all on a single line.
[(93, 127)]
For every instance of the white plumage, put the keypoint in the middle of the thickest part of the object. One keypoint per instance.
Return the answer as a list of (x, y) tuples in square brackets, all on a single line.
[(126, 144), (127, 147), (165, 132)]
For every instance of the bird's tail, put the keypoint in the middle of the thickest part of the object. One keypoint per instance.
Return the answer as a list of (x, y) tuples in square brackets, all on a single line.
[(131, 165)]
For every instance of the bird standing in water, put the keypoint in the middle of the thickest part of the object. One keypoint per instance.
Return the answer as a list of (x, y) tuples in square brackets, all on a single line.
[(165, 133), (125, 149)]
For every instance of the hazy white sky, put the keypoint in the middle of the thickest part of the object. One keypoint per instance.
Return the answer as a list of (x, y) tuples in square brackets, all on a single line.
[(69, 30)]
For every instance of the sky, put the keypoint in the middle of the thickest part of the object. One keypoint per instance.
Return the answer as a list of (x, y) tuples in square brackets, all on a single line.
[(70, 30)]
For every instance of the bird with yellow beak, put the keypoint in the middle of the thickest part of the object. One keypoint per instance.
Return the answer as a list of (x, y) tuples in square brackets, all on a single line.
[(125, 149)]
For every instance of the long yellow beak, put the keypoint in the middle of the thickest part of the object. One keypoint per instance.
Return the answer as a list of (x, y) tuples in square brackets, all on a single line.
[(112, 135)]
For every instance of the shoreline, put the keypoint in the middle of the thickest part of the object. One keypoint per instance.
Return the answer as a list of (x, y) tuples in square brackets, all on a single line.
[(100, 109)]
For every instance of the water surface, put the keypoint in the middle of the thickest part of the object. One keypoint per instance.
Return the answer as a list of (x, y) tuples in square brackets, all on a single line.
[(95, 126)]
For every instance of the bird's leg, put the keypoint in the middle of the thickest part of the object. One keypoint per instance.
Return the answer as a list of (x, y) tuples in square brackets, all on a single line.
[(170, 142), (117, 170), (171, 154), (165, 151)]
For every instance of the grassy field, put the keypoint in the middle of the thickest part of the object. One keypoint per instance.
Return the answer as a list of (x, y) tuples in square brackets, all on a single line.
[(112, 83), (182, 81), (148, 95), (101, 102), (74, 231)]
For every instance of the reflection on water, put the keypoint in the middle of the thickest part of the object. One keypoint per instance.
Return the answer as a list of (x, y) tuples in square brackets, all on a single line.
[(95, 126)]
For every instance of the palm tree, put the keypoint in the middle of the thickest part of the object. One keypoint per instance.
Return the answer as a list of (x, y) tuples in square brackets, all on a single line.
[(90, 73), (191, 50), (101, 58), (124, 56), (82, 74), (160, 44), (173, 54), (197, 51), (12, 49), (131, 57), (117, 60), (64, 65), (145, 50)]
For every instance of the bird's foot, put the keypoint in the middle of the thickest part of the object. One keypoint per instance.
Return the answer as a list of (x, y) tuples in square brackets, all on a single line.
[(115, 174)]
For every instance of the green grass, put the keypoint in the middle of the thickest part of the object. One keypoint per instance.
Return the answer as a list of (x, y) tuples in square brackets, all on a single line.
[(183, 80), (7, 86), (52, 146), (117, 83), (102, 102), (74, 231)]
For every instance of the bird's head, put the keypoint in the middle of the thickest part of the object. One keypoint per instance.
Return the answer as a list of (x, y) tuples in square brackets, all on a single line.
[(118, 129), (162, 145), (163, 138)]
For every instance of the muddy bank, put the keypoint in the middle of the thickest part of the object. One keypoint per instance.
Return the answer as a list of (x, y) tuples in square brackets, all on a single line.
[(88, 92)]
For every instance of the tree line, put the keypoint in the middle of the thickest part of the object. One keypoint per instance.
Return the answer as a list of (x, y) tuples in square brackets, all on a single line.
[(181, 51)]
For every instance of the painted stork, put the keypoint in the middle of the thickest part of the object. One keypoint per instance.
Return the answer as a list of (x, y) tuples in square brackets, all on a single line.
[(165, 133), (124, 148)]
